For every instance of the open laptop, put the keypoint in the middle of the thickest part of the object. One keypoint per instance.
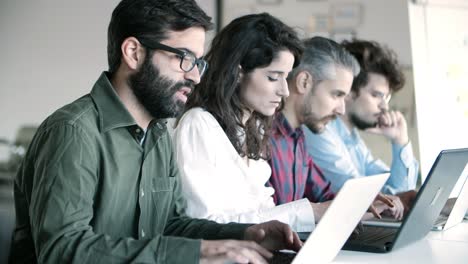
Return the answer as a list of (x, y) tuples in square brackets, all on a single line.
[(427, 205), (452, 213), (340, 219), (455, 208)]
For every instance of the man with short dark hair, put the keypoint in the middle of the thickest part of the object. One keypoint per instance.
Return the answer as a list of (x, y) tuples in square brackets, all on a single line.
[(340, 151), (100, 183)]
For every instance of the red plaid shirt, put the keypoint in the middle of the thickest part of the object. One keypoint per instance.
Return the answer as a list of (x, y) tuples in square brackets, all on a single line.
[(294, 174)]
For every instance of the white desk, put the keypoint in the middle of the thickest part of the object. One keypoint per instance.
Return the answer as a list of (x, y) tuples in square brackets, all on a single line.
[(441, 247), (457, 233)]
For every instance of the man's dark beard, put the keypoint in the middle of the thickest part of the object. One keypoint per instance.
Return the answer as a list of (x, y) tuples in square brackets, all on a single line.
[(155, 92), (310, 121), (359, 123), (314, 128)]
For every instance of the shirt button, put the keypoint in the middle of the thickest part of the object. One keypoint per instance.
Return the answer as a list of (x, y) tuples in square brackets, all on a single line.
[(138, 130), (142, 193), (142, 233)]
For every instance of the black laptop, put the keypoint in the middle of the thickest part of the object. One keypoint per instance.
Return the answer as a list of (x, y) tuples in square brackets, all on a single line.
[(427, 206)]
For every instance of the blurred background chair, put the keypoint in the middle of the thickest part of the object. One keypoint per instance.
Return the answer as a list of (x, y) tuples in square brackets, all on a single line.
[(11, 153)]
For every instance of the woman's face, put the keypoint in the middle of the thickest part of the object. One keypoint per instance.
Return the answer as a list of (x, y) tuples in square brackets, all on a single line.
[(262, 89)]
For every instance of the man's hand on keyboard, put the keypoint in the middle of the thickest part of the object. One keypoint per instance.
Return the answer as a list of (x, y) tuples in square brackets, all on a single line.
[(274, 235), (407, 198), (380, 204), (232, 251), (397, 210)]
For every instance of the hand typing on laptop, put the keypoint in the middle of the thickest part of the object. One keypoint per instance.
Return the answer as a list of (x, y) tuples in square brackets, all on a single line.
[(232, 251), (274, 235), (395, 210), (381, 203), (261, 239), (401, 202), (407, 198)]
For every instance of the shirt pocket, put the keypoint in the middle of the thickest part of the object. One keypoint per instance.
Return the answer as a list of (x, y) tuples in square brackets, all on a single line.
[(162, 192)]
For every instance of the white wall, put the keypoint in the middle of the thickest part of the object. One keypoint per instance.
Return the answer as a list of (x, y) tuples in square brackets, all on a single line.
[(383, 20), (440, 61), (52, 52)]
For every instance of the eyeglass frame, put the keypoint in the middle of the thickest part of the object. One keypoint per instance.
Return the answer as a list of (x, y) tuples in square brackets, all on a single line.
[(181, 53), (381, 96)]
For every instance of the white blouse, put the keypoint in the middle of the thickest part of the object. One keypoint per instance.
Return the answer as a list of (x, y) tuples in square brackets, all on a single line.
[(218, 183)]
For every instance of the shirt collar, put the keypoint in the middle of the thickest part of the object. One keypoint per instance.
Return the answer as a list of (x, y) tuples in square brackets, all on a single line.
[(343, 131), (112, 112), (282, 126)]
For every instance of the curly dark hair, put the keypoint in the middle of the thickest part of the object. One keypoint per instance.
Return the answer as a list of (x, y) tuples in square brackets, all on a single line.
[(375, 58), (150, 20), (251, 41)]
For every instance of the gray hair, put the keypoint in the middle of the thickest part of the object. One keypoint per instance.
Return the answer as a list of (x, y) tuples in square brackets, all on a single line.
[(322, 56)]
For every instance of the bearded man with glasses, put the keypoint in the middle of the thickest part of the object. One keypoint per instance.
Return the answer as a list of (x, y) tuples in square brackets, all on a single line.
[(100, 183), (338, 149)]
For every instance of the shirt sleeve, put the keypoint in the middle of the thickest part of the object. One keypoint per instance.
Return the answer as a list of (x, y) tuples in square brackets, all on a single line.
[(61, 208), (210, 181), (298, 214), (404, 170), (333, 157), (318, 188)]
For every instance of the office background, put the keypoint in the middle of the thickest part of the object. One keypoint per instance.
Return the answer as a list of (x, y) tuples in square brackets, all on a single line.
[(52, 52)]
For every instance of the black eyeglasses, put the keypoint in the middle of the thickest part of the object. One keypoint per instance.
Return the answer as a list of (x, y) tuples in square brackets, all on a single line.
[(187, 59)]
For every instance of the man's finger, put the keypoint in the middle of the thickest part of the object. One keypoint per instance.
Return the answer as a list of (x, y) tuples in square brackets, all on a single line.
[(260, 235), (393, 118), (375, 212), (245, 255), (297, 243), (374, 130), (385, 200), (288, 234), (256, 247)]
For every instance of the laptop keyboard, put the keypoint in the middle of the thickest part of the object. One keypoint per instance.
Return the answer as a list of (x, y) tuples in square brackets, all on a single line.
[(282, 257), (371, 234)]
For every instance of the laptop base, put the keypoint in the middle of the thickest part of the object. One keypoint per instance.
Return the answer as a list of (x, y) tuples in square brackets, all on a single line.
[(281, 257), (372, 239)]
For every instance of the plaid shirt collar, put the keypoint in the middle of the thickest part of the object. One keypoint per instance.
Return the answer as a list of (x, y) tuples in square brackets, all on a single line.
[(282, 126)]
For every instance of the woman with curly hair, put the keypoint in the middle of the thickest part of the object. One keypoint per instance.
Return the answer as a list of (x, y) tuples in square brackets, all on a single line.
[(221, 140)]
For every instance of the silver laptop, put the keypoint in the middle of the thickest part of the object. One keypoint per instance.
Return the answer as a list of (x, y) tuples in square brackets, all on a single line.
[(427, 206), (455, 208), (338, 222), (452, 214)]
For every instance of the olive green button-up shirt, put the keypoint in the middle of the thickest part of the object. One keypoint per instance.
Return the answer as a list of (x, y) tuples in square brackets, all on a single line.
[(89, 192)]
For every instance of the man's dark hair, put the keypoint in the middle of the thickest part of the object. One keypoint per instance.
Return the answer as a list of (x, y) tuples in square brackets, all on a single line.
[(150, 20), (252, 41), (374, 58)]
